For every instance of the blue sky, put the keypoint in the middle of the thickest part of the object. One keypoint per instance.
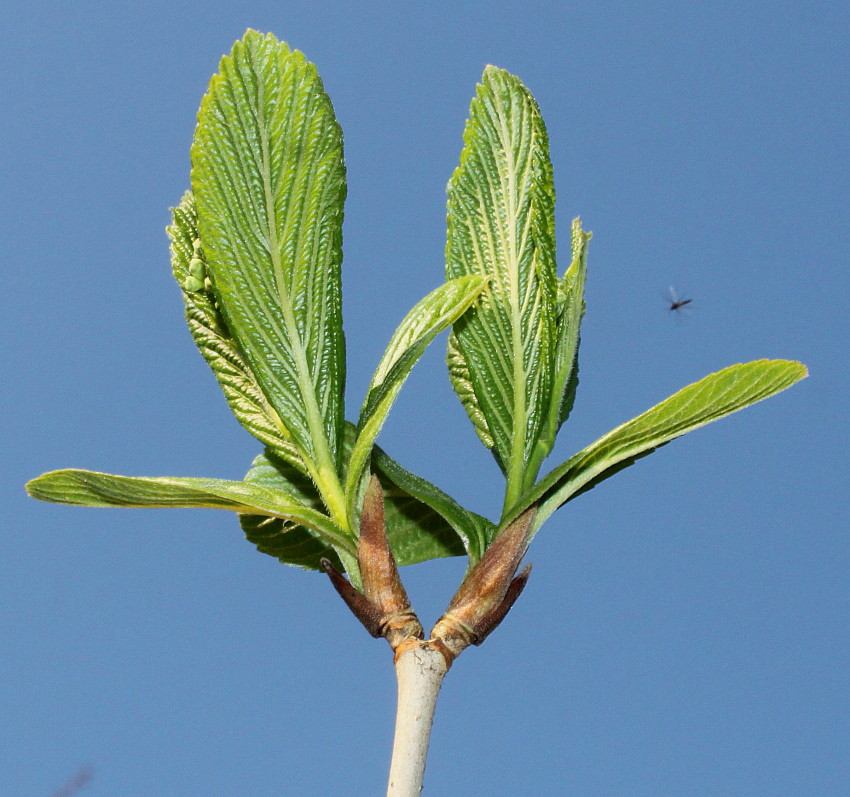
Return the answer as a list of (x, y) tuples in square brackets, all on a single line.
[(685, 628)]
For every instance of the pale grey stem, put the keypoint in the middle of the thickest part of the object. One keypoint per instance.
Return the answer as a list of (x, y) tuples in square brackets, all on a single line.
[(420, 672)]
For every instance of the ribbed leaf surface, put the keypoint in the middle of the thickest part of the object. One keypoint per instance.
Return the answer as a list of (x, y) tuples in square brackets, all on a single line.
[(570, 311), (713, 397), (213, 339), (462, 384), (500, 223), (269, 183)]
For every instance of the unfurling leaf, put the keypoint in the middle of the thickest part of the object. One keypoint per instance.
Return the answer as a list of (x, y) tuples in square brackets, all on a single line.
[(462, 384), (430, 316), (501, 224), (269, 182), (212, 337), (570, 303)]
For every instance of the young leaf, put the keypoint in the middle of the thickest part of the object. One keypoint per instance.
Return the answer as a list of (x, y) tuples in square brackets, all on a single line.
[(571, 307), (269, 182), (501, 223), (462, 384), (420, 326), (415, 531), (89, 488), (212, 337), (287, 541), (475, 531), (713, 397)]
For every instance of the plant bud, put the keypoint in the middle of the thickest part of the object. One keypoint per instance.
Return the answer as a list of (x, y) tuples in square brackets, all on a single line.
[(383, 607), (193, 284), (197, 268), (489, 590), (381, 583)]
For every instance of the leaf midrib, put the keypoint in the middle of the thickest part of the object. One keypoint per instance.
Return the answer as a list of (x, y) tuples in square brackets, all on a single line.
[(247, 272), (517, 463), (326, 477)]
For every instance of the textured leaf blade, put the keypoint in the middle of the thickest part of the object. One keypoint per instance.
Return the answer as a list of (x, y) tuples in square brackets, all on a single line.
[(89, 488), (269, 182), (430, 316), (571, 307), (501, 223), (212, 337), (696, 405), (570, 311), (462, 384)]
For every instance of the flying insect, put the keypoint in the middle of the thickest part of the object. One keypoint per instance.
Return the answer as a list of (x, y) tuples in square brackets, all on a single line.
[(675, 303)]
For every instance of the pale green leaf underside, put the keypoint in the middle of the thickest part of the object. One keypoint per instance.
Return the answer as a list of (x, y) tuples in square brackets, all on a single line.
[(500, 223), (462, 384), (279, 508), (713, 397), (269, 183), (89, 488), (216, 344), (430, 316)]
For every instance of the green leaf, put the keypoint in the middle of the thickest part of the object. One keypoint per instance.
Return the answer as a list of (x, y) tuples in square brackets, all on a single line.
[(713, 397), (476, 531), (269, 182), (89, 488), (212, 337), (280, 509), (421, 325), (462, 384), (416, 532), (501, 224), (571, 308), (291, 543)]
